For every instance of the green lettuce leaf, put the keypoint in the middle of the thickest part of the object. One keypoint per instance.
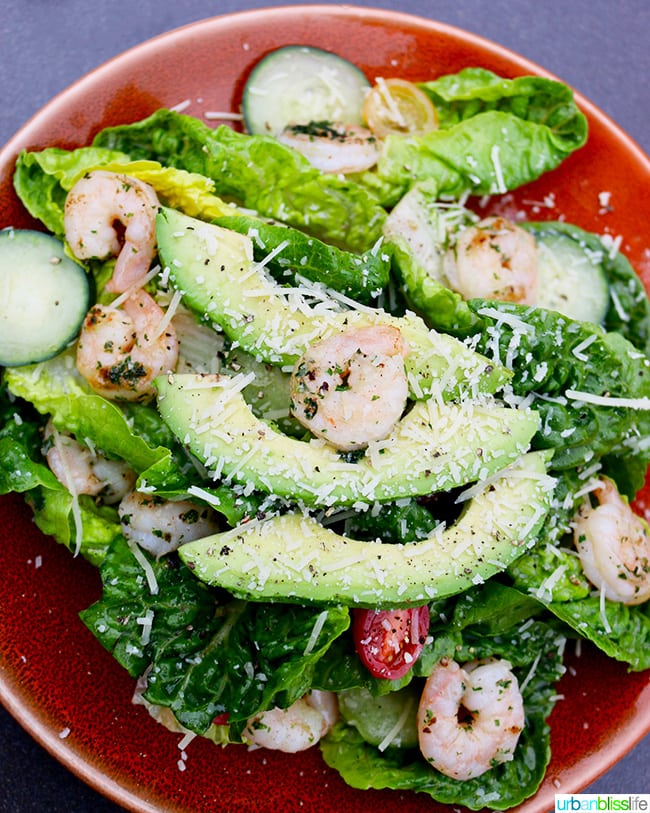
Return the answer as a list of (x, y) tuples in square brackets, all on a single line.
[(135, 434), (550, 355), (173, 478), (551, 571), (619, 630), (494, 135), (417, 234), (551, 575), (471, 91), (404, 521), (258, 173), (23, 470), (421, 228), (52, 504), (55, 388), (548, 571), (53, 514), (203, 652), (21, 465), (131, 432)]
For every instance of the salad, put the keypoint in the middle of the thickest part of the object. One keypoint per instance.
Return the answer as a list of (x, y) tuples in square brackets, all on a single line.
[(343, 464)]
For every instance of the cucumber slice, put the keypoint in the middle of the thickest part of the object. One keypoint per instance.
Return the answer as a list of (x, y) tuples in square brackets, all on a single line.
[(300, 84), (44, 296), (569, 280), (386, 720)]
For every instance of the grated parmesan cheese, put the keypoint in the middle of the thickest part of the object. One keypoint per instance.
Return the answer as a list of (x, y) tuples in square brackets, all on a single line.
[(603, 609), (399, 725), (142, 560), (607, 400), (316, 631)]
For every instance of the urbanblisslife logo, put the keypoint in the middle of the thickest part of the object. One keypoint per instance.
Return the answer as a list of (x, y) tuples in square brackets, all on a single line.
[(631, 802)]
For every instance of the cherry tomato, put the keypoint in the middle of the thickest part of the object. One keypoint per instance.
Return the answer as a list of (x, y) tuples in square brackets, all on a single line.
[(389, 642), (398, 106), (641, 503)]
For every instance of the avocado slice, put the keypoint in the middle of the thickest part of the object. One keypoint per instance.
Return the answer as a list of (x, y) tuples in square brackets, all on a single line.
[(434, 447), (292, 558), (215, 269)]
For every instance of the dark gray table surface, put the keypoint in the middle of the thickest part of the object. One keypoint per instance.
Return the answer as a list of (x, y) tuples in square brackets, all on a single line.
[(600, 47)]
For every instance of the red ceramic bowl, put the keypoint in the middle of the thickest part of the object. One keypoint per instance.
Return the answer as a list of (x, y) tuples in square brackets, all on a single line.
[(55, 678)]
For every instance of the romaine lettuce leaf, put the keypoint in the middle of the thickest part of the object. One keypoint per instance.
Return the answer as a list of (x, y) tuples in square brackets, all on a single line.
[(463, 95), (553, 577), (55, 388), (421, 228), (54, 515), (173, 477), (549, 572), (494, 135), (550, 355), (131, 432), (205, 653), (258, 173), (20, 442), (23, 470), (288, 253), (619, 630), (418, 232)]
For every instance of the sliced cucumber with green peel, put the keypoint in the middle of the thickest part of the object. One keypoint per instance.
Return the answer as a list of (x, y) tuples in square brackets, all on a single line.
[(570, 281), (386, 720), (44, 296), (300, 84)]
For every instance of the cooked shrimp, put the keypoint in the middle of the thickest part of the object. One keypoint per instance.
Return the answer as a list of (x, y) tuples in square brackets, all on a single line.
[(83, 470), (161, 526), (614, 546), (333, 147), (121, 350), (351, 388), (470, 718), (494, 259), (93, 207), (296, 728)]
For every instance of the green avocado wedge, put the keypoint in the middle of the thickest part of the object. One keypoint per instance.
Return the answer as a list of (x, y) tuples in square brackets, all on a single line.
[(214, 268), (434, 447), (292, 558)]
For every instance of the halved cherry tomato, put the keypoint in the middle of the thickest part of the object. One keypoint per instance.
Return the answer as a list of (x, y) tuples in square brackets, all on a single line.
[(389, 642), (641, 503), (398, 106)]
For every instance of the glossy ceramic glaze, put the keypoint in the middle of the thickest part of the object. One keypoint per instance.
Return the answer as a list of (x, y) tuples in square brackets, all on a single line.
[(55, 678)]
